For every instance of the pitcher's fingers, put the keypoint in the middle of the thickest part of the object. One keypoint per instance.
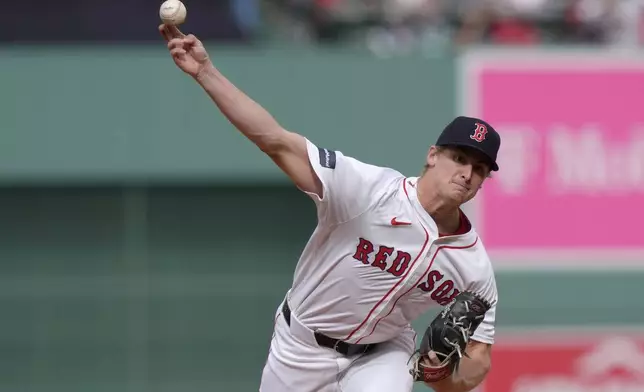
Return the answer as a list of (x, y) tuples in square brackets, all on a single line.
[(433, 358), (175, 43), (175, 32), (176, 52), (164, 32)]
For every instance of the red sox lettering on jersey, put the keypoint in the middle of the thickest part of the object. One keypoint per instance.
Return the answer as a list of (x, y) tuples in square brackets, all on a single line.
[(376, 260), (441, 290)]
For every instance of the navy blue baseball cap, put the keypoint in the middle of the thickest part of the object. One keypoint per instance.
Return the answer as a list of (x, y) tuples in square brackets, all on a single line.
[(471, 132)]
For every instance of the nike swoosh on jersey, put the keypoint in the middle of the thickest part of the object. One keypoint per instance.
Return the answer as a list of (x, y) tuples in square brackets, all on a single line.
[(395, 222)]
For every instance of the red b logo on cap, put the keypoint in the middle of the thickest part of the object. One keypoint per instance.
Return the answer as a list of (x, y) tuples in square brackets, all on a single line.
[(479, 133)]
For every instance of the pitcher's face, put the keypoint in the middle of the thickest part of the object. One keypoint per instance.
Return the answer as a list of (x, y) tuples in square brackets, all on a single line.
[(459, 172)]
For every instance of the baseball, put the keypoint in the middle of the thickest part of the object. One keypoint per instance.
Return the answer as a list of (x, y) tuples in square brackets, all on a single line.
[(172, 12)]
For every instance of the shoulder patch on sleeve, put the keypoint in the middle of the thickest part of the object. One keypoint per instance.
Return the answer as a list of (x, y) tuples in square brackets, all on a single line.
[(327, 158)]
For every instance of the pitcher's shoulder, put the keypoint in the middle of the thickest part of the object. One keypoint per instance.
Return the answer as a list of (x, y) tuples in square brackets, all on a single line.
[(481, 255), (391, 181)]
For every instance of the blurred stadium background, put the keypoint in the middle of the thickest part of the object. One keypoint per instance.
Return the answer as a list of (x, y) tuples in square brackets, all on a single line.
[(144, 243)]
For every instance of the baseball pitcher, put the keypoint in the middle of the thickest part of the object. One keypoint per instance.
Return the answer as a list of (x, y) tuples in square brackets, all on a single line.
[(386, 249)]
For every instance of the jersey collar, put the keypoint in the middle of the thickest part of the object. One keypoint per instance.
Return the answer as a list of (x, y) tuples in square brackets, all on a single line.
[(410, 189)]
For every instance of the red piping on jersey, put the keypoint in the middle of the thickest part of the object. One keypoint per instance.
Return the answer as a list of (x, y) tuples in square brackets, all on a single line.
[(401, 279), (417, 282)]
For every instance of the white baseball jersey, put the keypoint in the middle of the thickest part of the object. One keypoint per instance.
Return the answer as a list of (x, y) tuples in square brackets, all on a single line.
[(376, 261)]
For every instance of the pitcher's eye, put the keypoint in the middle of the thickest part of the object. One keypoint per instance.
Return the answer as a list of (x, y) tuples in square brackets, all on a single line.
[(480, 170), (459, 158)]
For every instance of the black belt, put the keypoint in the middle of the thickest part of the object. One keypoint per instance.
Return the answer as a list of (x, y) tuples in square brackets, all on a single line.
[(340, 346)]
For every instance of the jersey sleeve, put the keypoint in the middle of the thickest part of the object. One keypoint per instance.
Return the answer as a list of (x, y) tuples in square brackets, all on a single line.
[(486, 330), (349, 187)]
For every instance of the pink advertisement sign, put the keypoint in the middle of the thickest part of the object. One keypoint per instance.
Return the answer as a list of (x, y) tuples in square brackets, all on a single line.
[(571, 179), (577, 359)]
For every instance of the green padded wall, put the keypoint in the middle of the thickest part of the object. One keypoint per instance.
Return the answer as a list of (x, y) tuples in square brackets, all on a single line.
[(113, 114)]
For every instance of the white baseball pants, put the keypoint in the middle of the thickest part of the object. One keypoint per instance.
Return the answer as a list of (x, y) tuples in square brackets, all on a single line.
[(297, 363)]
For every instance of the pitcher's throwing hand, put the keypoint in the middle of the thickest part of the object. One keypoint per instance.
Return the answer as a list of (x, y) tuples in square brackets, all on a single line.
[(187, 51)]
